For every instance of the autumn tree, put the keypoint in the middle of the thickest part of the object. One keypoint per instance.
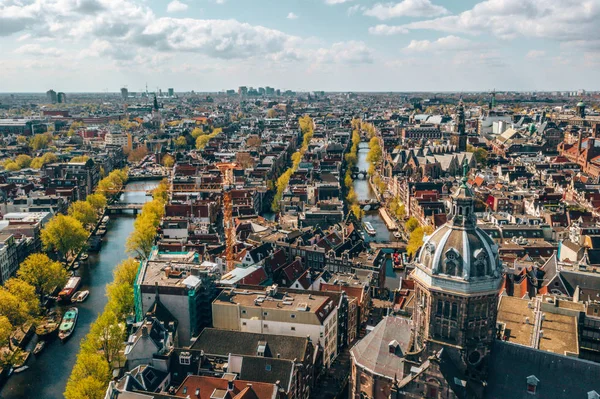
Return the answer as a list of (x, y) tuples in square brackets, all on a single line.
[(39, 162), (168, 161), (64, 234), (18, 302), (11, 166), (108, 335), (80, 158), (181, 142), (84, 212), (141, 239), (89, 377), (137, 154), (416, 239), (197, 132), (411, 224), (271, 113), (24, 161), (97, 201), (42, 273), (40, 141)]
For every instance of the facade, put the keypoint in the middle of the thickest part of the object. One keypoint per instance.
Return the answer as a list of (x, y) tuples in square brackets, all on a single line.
[(118, 139), (274, 311), (9, 261)]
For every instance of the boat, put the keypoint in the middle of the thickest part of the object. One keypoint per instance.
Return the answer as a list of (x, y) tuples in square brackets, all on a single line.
[(101, 232), (84, 257), (105, 220), (39, 347), (69, 289), (75, 265), (67, 325), (369, 228), (20, 369), (80, 296), (49, 325), (95, 243), (397, 234)]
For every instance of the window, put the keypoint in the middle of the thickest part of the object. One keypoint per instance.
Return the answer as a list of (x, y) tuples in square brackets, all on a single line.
[(268, 367), (265, 314), (185, 358), (266, 326), (293, 316), (243, 323), (440, 307), (243, 312), (454, 311), (293, 328)]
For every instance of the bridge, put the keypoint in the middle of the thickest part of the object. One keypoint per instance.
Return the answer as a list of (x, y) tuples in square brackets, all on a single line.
[(397, 245), (369, 205), (120, 208), (359, 174), (133, 177)]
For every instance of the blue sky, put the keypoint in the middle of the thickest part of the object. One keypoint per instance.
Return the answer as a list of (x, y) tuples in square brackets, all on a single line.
[(341, 45)]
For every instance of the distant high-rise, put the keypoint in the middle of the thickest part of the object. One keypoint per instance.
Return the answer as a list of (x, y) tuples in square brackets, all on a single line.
[(171, 92), (51, 96), (243, 91), (62, 98), (270, 91), (124, 93)]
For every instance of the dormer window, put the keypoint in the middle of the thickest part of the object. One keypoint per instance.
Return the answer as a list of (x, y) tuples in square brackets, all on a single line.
[(532, 383), (185, 358)]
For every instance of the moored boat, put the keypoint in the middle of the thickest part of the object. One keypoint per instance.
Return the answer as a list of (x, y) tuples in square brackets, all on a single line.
[(67, 325), (49, 325), (101, 231), (83, 257), (20, 369), (75, 265), (80, 296), (70, 288), (369, 228), (105, 220), (39, 347)]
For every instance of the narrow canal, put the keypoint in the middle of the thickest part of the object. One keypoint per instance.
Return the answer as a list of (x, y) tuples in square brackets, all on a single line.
[(365, 192), (48, 373)]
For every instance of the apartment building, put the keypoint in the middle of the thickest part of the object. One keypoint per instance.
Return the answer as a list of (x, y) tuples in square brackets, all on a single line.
[(277, 311)]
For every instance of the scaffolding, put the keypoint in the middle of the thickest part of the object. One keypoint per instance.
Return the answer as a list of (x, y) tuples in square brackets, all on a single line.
[(228, 224)]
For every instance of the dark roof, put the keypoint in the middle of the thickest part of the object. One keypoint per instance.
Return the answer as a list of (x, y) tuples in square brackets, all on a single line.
[(264, 369), (589, 284), (223, 342), (559, 376)]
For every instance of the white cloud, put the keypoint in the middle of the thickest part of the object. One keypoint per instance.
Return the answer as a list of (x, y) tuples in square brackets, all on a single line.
[(351, 52), (560, 20), (291, 15), (405, 8), (176, 6), (448, 43), (38, 50), (387, 30), (333, 2), (355, 9), (532, 54)]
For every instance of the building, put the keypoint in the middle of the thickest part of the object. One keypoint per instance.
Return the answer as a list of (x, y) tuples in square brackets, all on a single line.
[(51, 96), (459, 136), (62, 98), (171, 92), (22, 127), (118, 139), (275, 311), (124, 93), (9, 262), (186, 289)]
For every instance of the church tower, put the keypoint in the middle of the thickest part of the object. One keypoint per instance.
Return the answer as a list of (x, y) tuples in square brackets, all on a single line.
[(457, 279), (459, 136)]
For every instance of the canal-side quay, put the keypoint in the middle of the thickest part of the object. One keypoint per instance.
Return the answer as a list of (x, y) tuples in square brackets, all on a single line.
[(48, 373)]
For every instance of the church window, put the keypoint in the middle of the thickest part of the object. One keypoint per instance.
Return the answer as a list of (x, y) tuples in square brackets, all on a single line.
[(450, 268), (440, 307), (446, 309), (454, 315)]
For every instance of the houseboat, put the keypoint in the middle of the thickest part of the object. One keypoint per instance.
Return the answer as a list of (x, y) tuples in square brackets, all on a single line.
[(69, 289), (67, 325)]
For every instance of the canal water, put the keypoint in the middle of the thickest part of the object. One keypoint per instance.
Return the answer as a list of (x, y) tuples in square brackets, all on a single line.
[(48, 373), (365, 192)]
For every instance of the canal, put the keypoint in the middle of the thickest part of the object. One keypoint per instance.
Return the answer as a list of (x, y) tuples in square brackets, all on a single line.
[(365, 192), (48, 373)]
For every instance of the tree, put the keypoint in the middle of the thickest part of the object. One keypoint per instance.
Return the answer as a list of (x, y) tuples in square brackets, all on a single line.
[(181, 142), (86, 388), (161, 192), (271, 113), (168, 161), (64, 234), (138, 154), (81, 158), (141, 239), (42, 273), (11, 166), (39, 162), (23, 161), (253, 141), (108, 334), (89, 376), (357, 211), (40, 141), (416, 239), (18, 302), (126, 271), (411, 224), (97, 201), (83, 211), (197, 132)]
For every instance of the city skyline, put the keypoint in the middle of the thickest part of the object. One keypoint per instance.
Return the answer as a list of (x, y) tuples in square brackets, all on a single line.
[(331, 45)]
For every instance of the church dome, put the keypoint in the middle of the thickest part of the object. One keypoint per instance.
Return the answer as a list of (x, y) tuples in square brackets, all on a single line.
[(459, 251)]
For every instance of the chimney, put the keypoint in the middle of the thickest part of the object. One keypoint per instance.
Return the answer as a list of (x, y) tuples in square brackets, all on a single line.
[(230, 385), (144, 331), (167, 271)]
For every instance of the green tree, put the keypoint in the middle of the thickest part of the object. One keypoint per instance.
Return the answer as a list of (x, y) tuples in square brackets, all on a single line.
[(84, 212), (23, 161), (97, 201), (64, 234), (89, 377), (18, 302), (42, 273)]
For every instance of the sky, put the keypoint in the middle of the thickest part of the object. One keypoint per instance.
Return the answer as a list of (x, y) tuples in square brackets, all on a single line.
[(303, 45)]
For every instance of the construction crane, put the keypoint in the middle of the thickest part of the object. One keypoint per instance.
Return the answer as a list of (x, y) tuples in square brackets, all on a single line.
[(228, 225)]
